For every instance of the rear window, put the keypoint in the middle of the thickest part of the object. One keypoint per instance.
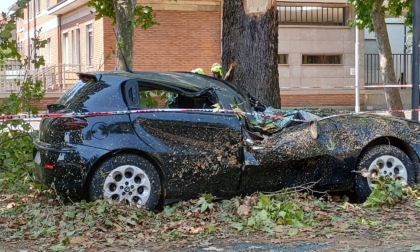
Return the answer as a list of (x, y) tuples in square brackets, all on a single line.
[(72, 92), (92, 95)]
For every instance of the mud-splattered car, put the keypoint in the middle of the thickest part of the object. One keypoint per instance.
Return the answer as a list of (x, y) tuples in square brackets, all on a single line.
[(153, 136)]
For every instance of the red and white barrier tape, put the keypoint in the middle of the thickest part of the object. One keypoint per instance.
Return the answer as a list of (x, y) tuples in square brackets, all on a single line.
[(144, 111), (350, 87), (90, 114)]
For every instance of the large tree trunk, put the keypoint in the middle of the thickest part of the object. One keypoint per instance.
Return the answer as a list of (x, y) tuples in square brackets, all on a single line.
[(250, 37), (392, 95), (124, 15)]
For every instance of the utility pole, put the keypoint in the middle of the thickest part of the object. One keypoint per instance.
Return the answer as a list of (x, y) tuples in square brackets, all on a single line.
[(416, 68), (356, 75)]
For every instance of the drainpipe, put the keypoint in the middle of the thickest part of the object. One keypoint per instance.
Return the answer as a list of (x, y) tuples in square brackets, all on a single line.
[(415, 65), (60, 57), (29, 39), (34, 8), (404, 77)]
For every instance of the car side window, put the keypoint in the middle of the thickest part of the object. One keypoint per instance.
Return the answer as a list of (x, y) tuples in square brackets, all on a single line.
[(160, 98)]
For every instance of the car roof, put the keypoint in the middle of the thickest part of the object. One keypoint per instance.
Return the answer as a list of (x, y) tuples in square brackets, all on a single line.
[(187, 81), (184, 80)]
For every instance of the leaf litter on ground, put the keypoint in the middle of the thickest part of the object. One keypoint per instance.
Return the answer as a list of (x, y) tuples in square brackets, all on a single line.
[(44, 221)]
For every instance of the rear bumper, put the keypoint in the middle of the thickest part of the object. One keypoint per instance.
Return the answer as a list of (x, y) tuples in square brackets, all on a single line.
[(65, 169)]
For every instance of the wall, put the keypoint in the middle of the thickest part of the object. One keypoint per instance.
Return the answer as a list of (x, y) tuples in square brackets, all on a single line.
[(397, 40), (189, 36), (79, 19), (46, 26), (316, 40), (184, 39)]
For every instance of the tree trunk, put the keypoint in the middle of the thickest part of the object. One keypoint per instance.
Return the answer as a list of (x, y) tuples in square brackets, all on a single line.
[(392, 95), (250, 38), (124, 15)]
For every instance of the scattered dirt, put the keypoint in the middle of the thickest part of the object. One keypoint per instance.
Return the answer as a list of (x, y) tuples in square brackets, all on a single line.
[(339, 227)]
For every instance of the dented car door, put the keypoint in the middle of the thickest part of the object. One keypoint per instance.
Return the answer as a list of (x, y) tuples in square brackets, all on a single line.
[(199, 150)]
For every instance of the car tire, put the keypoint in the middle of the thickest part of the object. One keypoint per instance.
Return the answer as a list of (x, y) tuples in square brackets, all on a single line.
[(129, 179), (382, 160)]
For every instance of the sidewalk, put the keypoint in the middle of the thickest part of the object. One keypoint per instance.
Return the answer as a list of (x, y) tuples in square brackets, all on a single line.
[(34, 123), (407, 114)]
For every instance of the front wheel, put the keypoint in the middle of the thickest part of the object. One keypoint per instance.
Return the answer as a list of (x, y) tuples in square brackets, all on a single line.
[(129, 179), (382, 161)]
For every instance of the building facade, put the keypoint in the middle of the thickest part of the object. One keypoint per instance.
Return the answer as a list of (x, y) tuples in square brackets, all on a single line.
[(316, 47), (317, 54)]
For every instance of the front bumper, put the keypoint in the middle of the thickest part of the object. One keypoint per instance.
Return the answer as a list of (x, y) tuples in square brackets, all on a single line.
[(65, 169)]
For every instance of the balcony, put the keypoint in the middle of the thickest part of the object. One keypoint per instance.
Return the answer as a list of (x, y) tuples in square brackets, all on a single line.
[(312, 15), (65, 6)]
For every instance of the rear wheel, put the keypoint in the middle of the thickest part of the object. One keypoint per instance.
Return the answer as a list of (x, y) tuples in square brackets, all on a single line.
[(127, 179), (382, 161)]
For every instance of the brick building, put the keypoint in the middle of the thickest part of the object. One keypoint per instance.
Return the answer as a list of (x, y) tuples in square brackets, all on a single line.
[(316, 47)]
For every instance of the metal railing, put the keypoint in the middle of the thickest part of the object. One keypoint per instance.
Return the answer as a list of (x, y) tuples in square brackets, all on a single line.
[(312, 15), (402, 68), (54, 78)]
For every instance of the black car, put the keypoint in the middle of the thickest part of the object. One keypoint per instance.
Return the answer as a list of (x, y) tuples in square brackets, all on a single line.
[(145, 137)]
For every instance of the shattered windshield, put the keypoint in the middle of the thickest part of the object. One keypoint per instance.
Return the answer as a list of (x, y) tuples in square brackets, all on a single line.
[(273, 120)]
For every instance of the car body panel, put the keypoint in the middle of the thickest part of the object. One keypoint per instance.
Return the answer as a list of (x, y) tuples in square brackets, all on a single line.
[(205, 151), (330, 159), (200, 150)]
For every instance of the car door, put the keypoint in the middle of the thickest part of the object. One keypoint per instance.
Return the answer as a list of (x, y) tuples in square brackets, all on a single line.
[(198, 149)]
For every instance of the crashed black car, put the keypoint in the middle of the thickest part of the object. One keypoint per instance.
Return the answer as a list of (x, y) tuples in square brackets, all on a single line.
[(145, 137)]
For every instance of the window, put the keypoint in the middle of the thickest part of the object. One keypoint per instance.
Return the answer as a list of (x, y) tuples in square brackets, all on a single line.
[(31, 56), (31, 9), (75, 34), (47, 3), (89, 45), (158, 98), (48, 52), (308, 59), (37, 6), (20, 23), (73, 46), (312, 15), (283, 59), (66, 49)]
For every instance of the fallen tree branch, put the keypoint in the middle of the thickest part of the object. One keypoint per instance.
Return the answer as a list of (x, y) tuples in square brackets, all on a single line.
[(231, 71)]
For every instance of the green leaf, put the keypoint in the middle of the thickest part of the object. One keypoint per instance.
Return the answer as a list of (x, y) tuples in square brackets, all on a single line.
[(329, 236), (127, 220), (251, 222), (65, 241), (204, 204), (58, 247), (238, 226), (293, 232), (261, 216), (415, 248)]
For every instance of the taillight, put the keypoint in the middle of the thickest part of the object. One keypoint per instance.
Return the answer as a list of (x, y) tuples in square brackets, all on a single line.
[(69, 123), (49, 166)]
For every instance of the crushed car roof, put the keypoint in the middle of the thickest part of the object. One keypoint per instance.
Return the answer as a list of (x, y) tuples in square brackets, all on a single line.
[(185, 80)]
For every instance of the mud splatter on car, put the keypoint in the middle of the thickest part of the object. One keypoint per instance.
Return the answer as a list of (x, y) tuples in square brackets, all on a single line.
[(159, 136)]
